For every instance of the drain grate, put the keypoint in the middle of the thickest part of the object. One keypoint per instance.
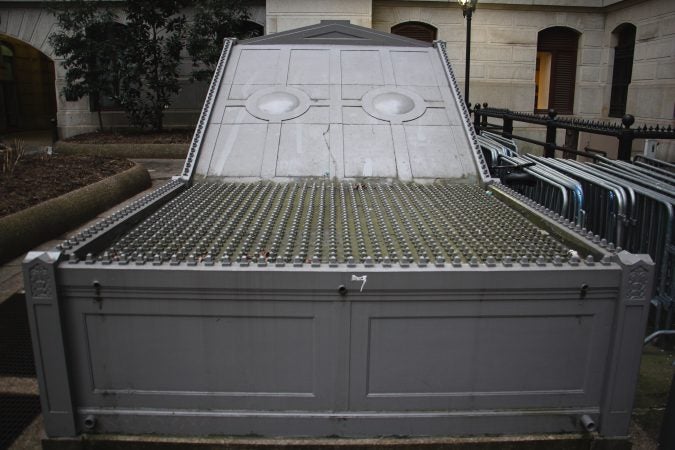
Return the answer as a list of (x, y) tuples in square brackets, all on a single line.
[(16, 413), (16, 353)]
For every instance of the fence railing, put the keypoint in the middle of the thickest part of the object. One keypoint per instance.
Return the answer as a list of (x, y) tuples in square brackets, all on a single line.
[(622, 131), (625, 204)]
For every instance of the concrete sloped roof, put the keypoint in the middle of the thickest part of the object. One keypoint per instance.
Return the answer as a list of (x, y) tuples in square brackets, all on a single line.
[(339, 101), (335, 32)]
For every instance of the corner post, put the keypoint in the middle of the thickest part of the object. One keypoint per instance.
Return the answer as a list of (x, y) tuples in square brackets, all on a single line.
[(507, 127), (476, 118), (630, 320), (549, 148), (626, 137), (44, 317)]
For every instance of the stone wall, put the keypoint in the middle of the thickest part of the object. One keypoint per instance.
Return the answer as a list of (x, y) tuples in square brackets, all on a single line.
[(285, 15), (503, 59), (504, 50)]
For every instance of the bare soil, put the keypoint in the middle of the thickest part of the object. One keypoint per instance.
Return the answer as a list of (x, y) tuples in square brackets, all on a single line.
[(134, 137), (37, 178)]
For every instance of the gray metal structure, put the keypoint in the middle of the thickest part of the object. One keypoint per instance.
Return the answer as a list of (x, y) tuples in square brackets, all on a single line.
[(335, 259)]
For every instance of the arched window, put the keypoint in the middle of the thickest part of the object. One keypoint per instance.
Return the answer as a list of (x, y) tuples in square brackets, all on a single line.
[(556, 69), (416, 30), (624, 35)]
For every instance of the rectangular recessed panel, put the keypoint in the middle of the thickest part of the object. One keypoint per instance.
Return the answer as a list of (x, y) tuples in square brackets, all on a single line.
[(238, 151), (257, 66), (239, 114), (228, 354), (477, 354), (314, 115), (355, 91), (431, 116), (303, 150), (309, 67), (433, 153), (369, 151), (315, 91), (413, 68), (361, 67), (356, 115)]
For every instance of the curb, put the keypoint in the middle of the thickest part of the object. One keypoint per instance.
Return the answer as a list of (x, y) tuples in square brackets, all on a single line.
[(137, 151), (28, 228)]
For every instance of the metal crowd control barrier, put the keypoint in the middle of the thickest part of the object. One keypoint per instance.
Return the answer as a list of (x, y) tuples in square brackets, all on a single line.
[(629, 205), (552, 189), (605, 202), (644, 160)]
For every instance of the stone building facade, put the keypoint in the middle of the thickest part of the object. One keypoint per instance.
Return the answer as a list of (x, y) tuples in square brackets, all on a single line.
[(509, 37)]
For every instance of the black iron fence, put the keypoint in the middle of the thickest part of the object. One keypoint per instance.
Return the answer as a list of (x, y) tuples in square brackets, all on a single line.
[(622, 131)]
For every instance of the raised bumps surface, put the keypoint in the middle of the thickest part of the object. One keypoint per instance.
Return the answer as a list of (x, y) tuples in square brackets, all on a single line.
[(322, 221)]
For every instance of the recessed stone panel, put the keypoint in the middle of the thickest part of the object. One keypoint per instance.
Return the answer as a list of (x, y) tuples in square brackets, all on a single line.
[(303, 151), (238, 151), (309, 67), (361, 67), (368, 151)]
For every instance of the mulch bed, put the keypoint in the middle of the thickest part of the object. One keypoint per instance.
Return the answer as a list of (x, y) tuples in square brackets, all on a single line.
[(37, 178), (134, 137)]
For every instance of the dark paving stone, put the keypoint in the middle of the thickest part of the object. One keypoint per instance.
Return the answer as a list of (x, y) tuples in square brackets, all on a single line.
[(16, 353), (16, 413)]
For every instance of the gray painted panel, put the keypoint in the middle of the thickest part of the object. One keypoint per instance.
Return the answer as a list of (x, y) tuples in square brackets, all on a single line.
[(368, 151), (245, 355), (361, 67), (207, 355), (309, 66), (418, 355)]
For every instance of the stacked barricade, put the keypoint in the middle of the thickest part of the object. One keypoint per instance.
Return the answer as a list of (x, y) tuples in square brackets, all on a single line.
[(626, 204)]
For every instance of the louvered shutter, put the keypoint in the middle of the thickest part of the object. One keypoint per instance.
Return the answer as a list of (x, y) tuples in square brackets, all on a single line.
[(562, 43), (563, 76)]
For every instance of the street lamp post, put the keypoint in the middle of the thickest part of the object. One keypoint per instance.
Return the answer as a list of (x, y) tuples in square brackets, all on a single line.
[(468, 7)]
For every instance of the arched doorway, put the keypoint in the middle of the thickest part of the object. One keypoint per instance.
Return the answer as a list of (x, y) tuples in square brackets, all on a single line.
[(27, 90), (555, 77)]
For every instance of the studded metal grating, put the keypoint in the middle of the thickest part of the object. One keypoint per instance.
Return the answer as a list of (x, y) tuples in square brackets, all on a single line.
[(332, 222)]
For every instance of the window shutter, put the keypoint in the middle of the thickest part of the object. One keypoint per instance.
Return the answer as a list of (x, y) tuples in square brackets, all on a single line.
[(562, 43), (563, 76)]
